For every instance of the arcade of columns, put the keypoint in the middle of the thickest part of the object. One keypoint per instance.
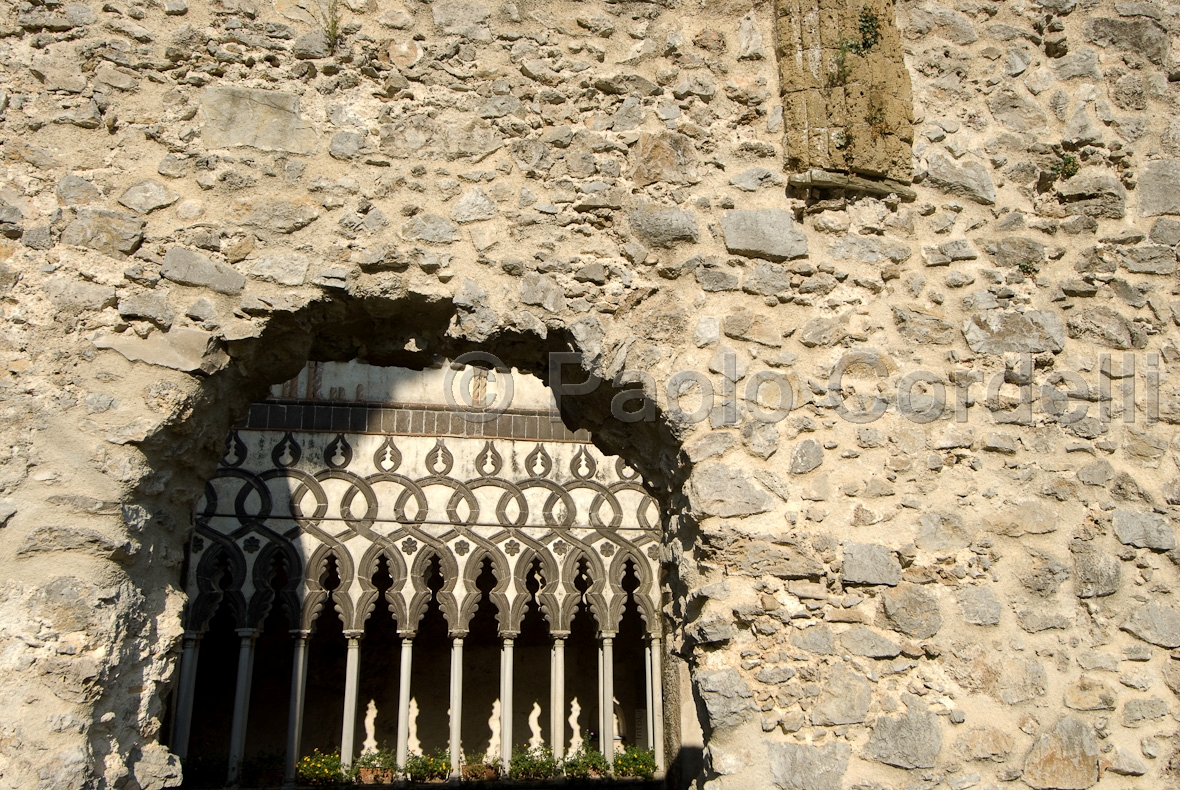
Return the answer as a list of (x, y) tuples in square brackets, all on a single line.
[(331, 489)]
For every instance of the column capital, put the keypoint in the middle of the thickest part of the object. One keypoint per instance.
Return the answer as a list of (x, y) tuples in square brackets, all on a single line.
[(192, 636), (607, 635), (508, 636), (559, 634), (457, 634), (407, 634), (351, 634), (247, 633), (300, 633)]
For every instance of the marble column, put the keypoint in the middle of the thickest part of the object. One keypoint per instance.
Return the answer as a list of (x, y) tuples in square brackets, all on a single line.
[(352, 678), (557, 696), (601, 720), (506, 699), (403, 697), (456, 706), (295, 712), (656, 679), (237, 736), (647, 698), (185, 689)]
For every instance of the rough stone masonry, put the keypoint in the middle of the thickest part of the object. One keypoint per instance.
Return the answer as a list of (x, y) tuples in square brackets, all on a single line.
[(913, 579)]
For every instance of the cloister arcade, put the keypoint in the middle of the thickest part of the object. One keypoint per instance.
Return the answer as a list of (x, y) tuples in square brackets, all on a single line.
[(372, 566)]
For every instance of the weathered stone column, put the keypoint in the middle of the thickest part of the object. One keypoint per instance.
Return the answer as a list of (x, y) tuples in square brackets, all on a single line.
[(295, 714), (608, 696), (184, 693), (403, 697), (557, 696), (506, 699), (237, 737), (655, 716), (352, 678), (456, 705)]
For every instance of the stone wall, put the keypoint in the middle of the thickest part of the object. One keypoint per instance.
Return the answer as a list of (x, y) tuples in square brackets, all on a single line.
[(198, 199)]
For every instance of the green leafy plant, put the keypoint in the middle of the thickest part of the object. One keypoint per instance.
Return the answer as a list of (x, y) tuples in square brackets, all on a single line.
[(870, 29), (636, 762), (1068, 167), (843, 139), (320, 769), (534, 763), (425, 767), (585, 763)]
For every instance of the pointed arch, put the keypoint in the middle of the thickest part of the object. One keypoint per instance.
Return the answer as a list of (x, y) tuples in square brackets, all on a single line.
[(265, 595), (422, 595), (547, 597), (498, 594), (210, 597), (367, 599), (316, 595), (594, 594), (642, 594)]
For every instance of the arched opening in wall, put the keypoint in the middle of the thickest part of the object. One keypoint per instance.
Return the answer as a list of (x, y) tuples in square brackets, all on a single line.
[(494, 561)]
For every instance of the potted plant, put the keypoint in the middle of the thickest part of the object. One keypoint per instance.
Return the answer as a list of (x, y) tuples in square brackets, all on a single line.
[(320, 769), (586, 763), (428, 767), (482, 770), (534, 763), (635, 762), (375, 767)]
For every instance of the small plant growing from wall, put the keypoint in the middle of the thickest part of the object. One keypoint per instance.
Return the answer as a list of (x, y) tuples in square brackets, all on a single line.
[(876, 121), (1068, 167), (869, 26), (330, 20)]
